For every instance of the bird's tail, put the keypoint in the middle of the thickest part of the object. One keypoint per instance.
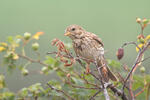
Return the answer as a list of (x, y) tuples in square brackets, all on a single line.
[(105, 71)]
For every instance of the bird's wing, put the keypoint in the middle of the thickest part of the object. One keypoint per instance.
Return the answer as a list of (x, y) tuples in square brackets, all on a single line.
[(97, 39)]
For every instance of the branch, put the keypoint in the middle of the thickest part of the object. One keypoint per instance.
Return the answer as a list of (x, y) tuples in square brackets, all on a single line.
[(141, 91), (63, 52), (85, 80), (92, 98), (60, 91), (138, 59), (118, 92), (142, 28), (127, 43), (102, 83), (32, 60), (69, 55), (130, 89), (75, 86), (143, 60)]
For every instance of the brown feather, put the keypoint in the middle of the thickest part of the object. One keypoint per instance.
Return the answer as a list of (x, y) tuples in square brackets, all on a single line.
[(89, 47)]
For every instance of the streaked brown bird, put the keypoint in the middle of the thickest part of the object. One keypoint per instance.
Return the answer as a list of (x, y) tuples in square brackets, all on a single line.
[(90, 48)]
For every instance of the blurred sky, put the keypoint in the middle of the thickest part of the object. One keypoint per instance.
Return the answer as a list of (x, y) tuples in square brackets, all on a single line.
[(113, 21)]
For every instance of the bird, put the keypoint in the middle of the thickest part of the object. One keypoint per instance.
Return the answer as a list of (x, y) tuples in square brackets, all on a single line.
[(90, 48)]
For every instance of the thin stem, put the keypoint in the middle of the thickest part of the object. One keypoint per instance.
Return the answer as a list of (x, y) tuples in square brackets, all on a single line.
[(28, 63), (32, 60), (142, 28), (92, 98), (127, 43), (118, 92), (143, 60), (75, 86), (23, 51), (85, 80), (102, 83), (60, 91), (130, 89), (133, 67), (138, 59)]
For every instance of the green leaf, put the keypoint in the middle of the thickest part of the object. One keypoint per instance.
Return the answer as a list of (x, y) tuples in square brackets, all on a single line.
[(55, 83), (51, 61), (45, 70), (54, 93), (89, 77), (36, 90), (24, 92), (114, 64), (138, 82), (66, 87), (61, 74), (8, 96), (79, 82)]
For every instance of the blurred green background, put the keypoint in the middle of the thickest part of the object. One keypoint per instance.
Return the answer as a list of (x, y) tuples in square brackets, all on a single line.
[(113, 21)]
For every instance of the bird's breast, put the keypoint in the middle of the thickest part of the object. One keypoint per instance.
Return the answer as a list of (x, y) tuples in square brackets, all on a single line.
[(87, 48)]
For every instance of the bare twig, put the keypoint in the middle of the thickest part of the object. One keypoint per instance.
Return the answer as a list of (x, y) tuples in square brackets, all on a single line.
[(143, 60), (138, 59), (51, 52), (75, 86), (79, 61), (85, 80), (32, 60), (127, 43), (92, 97), (60, 91), (118, 92), (130, 89), (94, 76), (142, 28), (140, 91), (63, 52), (102, 83)]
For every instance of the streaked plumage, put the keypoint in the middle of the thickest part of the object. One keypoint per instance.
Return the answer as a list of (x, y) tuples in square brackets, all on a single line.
[(90, 48)]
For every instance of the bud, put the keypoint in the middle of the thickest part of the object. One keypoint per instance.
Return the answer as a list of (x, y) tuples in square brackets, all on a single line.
[(142, 69), (54, 41), (9, 55), (145, 21), (120, 53), (140, 36), (45, 70), (68, 75), (25, 72), (27, 36), (141, 40), (35, 46), (138, 20)]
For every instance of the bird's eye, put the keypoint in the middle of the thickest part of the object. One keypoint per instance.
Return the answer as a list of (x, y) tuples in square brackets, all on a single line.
[(73, 29)]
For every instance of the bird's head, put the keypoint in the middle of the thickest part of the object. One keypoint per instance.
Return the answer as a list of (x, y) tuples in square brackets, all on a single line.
[(74, 31)]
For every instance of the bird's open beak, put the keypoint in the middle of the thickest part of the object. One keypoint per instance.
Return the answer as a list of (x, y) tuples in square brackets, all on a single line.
[(67, 33)]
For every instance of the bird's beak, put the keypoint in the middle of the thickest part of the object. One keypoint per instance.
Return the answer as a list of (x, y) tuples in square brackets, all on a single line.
[(67, 33)]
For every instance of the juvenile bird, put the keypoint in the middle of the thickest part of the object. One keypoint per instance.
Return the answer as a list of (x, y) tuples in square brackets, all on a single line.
[(90, 48)]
